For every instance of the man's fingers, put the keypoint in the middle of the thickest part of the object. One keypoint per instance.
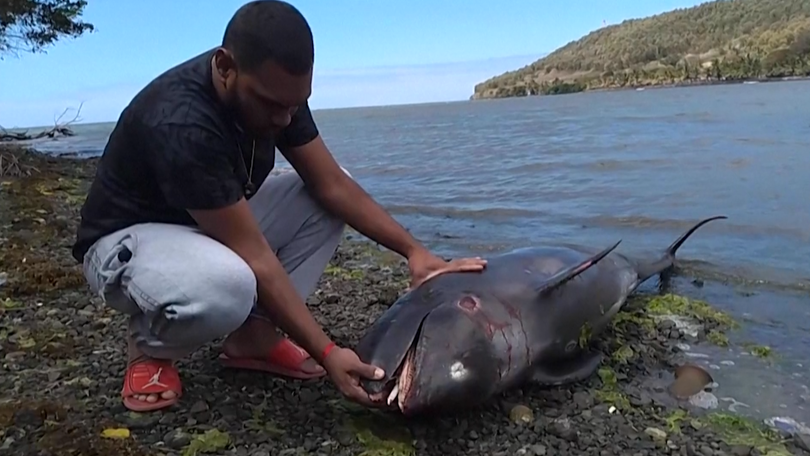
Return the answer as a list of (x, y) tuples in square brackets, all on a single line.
[(369, 372), (476, 261), (468, 264), (358, 395)]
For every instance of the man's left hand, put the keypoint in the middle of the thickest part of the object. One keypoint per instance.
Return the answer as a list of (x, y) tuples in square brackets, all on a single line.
[(425, 265)]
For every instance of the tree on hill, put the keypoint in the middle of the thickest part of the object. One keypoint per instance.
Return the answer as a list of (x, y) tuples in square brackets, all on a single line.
[(32, 25)]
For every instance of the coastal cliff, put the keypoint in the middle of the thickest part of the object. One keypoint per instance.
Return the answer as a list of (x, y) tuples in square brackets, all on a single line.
[(715, 42)]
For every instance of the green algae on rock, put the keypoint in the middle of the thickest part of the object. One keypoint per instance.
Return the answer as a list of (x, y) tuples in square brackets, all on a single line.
[(760, 351), (381, 436), (671, 304), (212, 441), (610, 391), (738, 430)]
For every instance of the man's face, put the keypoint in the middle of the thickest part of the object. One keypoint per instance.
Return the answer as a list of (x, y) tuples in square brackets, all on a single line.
[(264, 99)]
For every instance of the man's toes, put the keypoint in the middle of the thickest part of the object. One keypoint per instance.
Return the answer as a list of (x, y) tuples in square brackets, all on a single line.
[(168, 395), (152, 398)]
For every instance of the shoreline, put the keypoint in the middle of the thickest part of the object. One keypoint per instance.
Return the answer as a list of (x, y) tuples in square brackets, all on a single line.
[(639, 87), (55, 335)]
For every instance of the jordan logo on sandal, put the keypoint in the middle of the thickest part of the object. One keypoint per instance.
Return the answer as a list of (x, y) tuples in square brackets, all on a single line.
[(155, 380)]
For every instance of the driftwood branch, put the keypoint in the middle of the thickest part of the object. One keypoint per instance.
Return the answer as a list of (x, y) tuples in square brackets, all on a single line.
[(60, 128)]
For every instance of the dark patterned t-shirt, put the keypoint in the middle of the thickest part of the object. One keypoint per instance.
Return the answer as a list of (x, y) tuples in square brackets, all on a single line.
[(175, 148)]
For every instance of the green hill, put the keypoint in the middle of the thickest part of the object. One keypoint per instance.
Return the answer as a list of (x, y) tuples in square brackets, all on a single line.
[(723, 40)]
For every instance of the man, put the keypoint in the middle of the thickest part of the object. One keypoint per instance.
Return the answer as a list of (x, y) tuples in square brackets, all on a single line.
[(185, 230)]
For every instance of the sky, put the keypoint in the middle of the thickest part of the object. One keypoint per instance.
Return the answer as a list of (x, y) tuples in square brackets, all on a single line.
[(367, 53)]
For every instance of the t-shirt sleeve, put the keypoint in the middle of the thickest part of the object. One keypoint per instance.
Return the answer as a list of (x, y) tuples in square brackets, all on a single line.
[(194, 166), (300, 131)]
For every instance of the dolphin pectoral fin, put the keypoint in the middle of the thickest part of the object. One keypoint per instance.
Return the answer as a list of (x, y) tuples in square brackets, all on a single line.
[(568, 371), (569, 273)]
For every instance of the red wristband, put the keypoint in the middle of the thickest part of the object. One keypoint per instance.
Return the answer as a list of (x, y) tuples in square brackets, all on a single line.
[(327, 350)]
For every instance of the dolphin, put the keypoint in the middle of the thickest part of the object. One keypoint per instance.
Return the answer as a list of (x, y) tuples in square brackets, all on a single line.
[(460, 338)]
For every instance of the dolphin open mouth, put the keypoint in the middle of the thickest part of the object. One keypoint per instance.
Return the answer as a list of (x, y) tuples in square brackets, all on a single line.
[(402, 385), (402, 388)]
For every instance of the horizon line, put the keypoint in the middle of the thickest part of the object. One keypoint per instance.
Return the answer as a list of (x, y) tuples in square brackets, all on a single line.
[(336, 72)]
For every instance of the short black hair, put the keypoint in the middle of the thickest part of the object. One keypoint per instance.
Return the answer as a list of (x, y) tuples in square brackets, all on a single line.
[(273, 30)]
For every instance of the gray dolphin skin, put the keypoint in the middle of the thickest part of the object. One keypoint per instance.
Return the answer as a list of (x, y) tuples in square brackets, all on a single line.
[(460, 338)]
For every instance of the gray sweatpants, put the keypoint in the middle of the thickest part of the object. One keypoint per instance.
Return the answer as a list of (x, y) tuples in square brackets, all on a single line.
[(185, 289)]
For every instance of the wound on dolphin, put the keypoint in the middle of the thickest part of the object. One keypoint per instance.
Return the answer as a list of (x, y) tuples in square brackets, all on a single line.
[(460, 338)]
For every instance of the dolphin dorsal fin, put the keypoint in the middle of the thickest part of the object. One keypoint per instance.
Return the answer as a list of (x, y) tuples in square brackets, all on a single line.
[(570, 272)]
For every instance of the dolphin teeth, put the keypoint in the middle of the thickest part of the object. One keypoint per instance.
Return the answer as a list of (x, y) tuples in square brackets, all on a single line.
[(393, 395)]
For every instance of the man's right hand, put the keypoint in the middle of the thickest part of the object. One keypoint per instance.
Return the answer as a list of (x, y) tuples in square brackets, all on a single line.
[(345, 369)]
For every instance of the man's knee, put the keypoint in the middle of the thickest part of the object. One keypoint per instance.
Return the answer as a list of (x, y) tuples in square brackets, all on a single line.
[(211, 302), (189, 288), (223, 297)]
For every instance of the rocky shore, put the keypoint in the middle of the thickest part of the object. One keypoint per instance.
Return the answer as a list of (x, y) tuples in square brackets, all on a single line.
[(63, 360)]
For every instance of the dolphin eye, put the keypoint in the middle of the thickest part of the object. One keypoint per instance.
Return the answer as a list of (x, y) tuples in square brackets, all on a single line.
[(469, 303)]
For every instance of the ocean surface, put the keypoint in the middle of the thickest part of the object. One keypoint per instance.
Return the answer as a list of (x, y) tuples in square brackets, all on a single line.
[(641, 166)]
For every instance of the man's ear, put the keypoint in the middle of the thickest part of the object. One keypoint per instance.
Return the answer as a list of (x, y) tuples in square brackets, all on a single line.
[(224, 66)]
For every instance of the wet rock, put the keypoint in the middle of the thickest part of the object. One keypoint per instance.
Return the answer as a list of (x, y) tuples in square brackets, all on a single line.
[(198, 407), (704, 400), (656, 434), (538, 450), (741, 450), (176, 439), (134, 420), (562, 428), (583, 400), (520, 414), (802, 441), (27, 417)]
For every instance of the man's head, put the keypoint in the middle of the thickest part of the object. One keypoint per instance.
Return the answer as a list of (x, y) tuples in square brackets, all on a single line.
[(263, 70)]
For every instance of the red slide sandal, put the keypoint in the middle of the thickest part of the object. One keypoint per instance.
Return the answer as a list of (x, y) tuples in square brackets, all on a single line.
[(150, 376), (285, 359)]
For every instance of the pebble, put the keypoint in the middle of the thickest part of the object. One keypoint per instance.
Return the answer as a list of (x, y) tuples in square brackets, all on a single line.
[(656, 434), (741, 450), (176, 439)]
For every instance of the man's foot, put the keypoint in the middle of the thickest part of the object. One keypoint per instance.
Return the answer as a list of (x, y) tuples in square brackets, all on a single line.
[(258, 346), (150, 384)]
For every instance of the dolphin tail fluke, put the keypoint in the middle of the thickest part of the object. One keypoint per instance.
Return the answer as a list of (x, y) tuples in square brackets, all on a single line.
[(569, 273), (647, 270)]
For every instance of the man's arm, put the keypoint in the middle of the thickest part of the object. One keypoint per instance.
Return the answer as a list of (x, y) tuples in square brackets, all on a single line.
[(342, 196), (195, 172)]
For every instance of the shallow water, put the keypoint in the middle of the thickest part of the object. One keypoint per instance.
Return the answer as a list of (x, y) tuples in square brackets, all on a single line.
[(475, 177)]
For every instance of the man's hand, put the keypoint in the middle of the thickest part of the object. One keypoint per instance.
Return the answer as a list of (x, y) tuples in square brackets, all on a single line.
[(425, 265), (345, 370)]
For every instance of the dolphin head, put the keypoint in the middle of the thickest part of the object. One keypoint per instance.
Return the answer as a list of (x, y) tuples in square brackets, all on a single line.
[(449, 361)]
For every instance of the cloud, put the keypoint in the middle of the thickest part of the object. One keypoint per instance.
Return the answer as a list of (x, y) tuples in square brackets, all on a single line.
[(332, 88)]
